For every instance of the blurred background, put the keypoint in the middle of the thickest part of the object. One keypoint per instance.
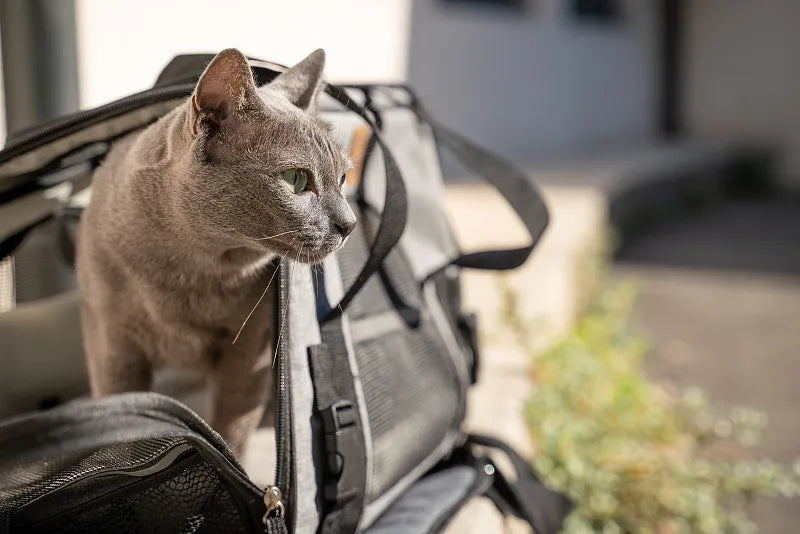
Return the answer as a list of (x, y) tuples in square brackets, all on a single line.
[(665, 135)]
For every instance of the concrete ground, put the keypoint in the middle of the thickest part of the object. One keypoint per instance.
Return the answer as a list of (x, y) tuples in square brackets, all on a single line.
[(720, 297), (581, 195), (720, 292)]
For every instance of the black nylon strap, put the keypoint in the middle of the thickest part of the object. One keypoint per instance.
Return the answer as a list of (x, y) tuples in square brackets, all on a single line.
[(330, 368), (395, 210), (511, 182), (344, 482), (515, 186), (526, 497)]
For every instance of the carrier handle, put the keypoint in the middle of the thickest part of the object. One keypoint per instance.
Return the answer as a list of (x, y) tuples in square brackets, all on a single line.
[(395, 210), (511, 182)]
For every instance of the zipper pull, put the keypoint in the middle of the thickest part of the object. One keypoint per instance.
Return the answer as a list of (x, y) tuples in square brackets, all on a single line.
[(272, 499)]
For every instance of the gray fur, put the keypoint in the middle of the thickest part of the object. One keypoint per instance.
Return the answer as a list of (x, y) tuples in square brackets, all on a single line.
[(173, 251)]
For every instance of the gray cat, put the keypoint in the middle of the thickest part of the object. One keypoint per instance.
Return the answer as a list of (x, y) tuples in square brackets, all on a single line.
[(186, 221)]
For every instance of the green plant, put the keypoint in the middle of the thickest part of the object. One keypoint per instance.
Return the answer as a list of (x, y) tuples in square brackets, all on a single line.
[(628, 454)]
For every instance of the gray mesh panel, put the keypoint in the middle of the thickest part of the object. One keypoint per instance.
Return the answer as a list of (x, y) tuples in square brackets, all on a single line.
[(411, 388), (374, 297), (412, 396)]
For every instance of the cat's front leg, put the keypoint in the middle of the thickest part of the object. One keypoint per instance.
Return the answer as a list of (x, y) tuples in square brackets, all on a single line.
[(116, 363), (241, 387)]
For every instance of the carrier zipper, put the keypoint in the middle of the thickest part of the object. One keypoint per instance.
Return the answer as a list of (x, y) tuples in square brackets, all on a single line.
[(273, 496), (273, 499)]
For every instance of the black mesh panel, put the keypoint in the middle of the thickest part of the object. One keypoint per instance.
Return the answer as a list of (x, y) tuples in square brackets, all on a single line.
[(122, 489), (28, 482), (192, 500)]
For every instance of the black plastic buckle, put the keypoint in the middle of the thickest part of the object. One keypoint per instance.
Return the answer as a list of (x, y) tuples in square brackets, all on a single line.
[(346, 454)]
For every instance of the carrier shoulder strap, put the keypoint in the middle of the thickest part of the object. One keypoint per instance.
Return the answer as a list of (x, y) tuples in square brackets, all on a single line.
[(524, 495), (395, 211), (512, 183)]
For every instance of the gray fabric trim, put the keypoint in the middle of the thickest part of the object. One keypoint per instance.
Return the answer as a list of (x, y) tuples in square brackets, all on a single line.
[(376, 326), (101, 131), (443, 325), (425, 503), (302, 332), (374, 509)]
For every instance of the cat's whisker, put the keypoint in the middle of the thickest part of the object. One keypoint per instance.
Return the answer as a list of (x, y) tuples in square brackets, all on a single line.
[(241, 328), (316, 282), (274, 236)]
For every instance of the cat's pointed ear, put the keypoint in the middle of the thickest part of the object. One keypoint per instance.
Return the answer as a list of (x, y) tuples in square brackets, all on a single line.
[(226, 86), (301, 83)]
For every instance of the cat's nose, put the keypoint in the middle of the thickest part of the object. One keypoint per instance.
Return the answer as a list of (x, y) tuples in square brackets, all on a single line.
[(342, 218), (345, 226)]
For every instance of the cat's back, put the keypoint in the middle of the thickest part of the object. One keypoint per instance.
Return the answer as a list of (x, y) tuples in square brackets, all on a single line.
[(111, 180), (114, 223)]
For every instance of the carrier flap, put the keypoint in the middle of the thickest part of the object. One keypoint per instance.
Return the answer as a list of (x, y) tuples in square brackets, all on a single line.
[(41, 149), (126, 463), (389, 383)]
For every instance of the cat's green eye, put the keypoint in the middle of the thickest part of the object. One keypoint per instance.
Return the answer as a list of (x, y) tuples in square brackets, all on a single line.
[(297, 179)]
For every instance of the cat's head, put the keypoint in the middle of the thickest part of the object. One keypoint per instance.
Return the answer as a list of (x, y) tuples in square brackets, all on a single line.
[(262, 169)]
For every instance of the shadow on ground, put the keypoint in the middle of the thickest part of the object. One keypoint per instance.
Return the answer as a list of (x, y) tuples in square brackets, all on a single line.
[(761, 235), (719, 293)]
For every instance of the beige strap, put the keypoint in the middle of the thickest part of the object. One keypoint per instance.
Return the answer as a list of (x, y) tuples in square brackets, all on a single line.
[(358, 150)]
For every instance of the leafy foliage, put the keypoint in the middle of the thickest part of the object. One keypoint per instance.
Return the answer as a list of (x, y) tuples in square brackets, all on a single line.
[(629, 454)]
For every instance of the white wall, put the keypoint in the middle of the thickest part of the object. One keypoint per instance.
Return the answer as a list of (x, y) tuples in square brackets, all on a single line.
[(537, 84), (123, 45), (743, 74)]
